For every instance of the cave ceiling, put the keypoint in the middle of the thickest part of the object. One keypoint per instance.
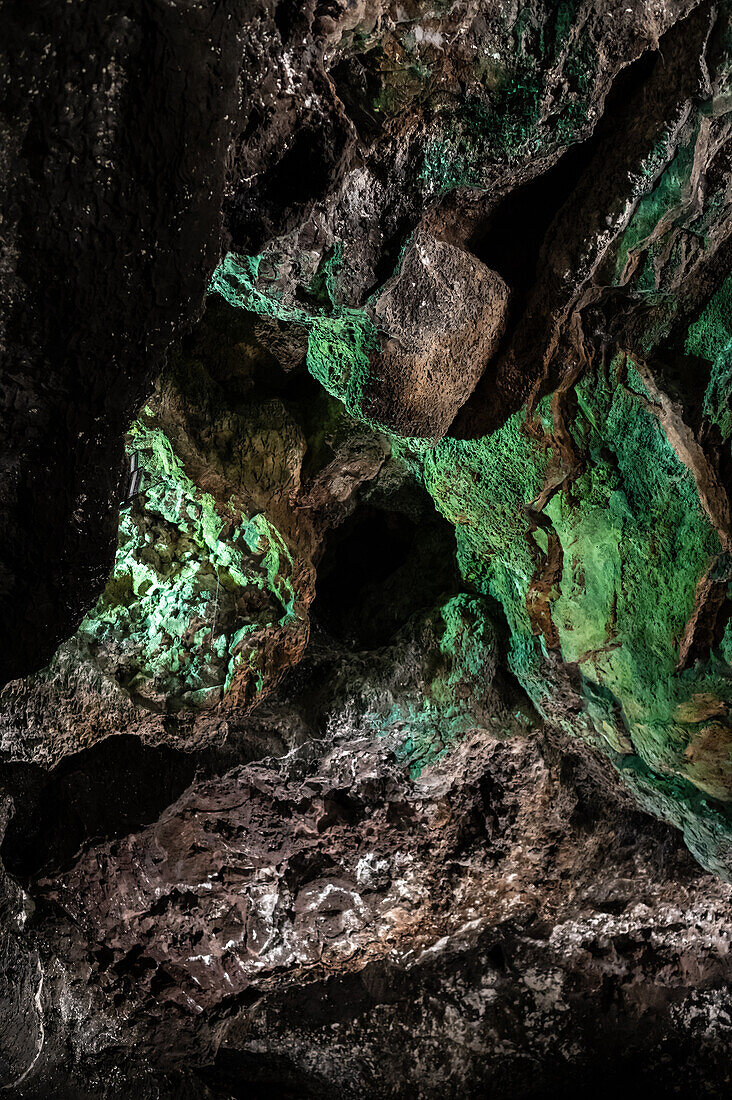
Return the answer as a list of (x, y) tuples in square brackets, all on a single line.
[(366, 557)]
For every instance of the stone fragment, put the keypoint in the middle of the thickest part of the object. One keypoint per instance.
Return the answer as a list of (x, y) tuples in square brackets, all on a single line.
[(441, 316)]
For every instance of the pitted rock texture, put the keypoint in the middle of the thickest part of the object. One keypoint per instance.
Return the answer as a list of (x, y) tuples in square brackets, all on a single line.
[(326, 922), (441, 318), (380, 743)]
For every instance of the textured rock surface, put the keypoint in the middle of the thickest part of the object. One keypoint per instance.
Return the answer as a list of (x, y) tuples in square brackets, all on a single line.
[(508, 917), (116, 128), (391, 753), (440, 318)]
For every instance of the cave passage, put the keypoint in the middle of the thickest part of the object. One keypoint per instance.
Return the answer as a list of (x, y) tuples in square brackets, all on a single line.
[(380, 568), (380, 743)]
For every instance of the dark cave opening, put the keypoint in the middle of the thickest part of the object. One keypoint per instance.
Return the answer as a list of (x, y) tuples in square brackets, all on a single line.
[(310, 159), (303, 170), (511, 239), (521, 231), (357, 83), (288, 17), (380, 567), (105, 791)]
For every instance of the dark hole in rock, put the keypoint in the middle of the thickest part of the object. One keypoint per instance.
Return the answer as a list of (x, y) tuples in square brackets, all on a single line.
[(303, 166), (358, 86), (378, 569), (511, 239), (242, 1075), (108, 790), (517, 237), (306, 168), (286, 16)]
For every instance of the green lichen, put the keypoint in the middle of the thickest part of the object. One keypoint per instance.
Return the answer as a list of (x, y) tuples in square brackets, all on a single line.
[(711, 338), (340, 338), (483, 487), (166, 627), (636, 541), (564, 20), (644, 233), (706, 826), (506, 119), (423, 714), (710, 335), (481, 132)]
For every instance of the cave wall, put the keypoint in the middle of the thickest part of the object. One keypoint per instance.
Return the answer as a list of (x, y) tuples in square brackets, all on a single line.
[(378, 737)]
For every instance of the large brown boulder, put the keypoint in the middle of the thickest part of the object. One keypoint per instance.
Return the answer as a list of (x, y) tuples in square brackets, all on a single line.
[(442, 315)]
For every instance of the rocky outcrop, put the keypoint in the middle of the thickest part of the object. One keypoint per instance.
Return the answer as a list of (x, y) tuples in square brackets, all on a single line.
[(586, 471), (379, 741), (207, 605), (328, 921)]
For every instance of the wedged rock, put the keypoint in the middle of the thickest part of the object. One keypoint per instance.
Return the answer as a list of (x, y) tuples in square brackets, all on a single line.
[(441, 318)]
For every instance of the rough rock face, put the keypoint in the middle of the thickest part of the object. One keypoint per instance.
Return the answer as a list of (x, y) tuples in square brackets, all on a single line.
[(115, 127), (440, 318), (380, 742), (329, 922)]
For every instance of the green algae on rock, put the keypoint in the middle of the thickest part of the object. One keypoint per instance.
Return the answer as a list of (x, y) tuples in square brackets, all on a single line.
[(439, 685), (636, 543), (477, 383), (339, 337), (598, 576), (205, 608), (194, 584)]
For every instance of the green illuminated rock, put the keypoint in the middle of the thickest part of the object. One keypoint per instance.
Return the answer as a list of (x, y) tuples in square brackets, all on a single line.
[(599, 575), (340, 775), (172, 615), (207, 604)]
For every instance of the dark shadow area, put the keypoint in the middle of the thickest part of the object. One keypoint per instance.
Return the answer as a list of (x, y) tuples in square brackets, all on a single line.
[(312, 154), (289, 17), (511, 239), (519, 234), (620, 1054), (239, 1075), (108, 790), (378, 569), (358, 83)]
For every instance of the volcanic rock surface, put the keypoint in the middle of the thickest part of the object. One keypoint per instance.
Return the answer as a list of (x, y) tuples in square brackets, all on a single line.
[(365, 648), (441, 320)]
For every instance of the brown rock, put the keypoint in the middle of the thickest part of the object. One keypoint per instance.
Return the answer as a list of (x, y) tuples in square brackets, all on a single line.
[(442, 316)]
